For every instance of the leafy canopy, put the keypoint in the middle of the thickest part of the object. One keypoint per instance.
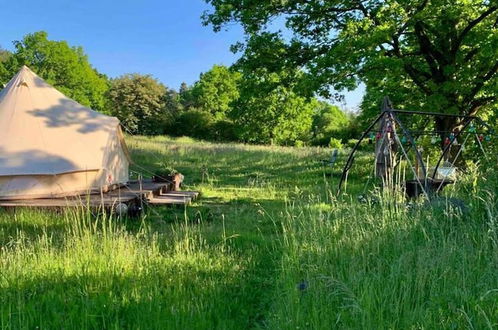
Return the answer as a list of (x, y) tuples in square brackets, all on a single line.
[(216, 90), (443, 53), (4, 73), (269, 112), (66, 68), (329, 122), (139, 102)]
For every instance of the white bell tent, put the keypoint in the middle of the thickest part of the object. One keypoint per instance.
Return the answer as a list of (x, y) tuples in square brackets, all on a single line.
[(52, 146)]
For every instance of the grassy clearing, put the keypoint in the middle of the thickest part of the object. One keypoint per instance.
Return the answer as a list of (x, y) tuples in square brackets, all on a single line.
[(267, 246)]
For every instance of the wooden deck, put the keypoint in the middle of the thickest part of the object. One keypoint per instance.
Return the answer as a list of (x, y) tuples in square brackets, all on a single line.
[(133, 193), (174, 198)]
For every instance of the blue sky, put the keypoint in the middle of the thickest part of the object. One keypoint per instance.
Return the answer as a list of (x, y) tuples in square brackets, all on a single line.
[(163, 38)]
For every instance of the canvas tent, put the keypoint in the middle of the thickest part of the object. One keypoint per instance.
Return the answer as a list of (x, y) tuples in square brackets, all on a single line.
[(52, 146)]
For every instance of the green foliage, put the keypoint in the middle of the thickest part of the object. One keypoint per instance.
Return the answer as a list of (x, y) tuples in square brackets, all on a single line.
[(173, 102), (4, 73), (329, 122), (139, 102), (365, 144), (215, 91), (195, 123), (224, 130), (66, 68), (203, 125), (335, 143), (4, 55), (268, 245), (252, 106), (435, 55), (204, 107), (268, 112)]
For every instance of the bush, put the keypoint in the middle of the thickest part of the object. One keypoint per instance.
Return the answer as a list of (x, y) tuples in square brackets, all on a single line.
[(224, 130), (364, 145), (351, 143), (299, 144), (335, 143), (194, 123)]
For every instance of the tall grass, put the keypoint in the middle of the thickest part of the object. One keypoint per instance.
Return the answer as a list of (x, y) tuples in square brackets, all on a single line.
[(98, 274), (386, 265), (267, 246)]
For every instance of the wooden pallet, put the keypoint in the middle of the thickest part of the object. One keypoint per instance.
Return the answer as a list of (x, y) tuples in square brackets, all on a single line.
[(147, 188), (104, 200), (133, 193), (174, 198)]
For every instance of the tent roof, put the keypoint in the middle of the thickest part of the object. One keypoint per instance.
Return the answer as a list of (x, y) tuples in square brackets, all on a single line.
[(44, 132)]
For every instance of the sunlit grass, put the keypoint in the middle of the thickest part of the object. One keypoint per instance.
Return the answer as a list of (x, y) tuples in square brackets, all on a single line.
[(268, 245)]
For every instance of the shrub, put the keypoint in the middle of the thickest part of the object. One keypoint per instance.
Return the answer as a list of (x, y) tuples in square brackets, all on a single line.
[(194, 123), (364, 145), (335, 143), (224, 130), (351, 143), (299, 144)]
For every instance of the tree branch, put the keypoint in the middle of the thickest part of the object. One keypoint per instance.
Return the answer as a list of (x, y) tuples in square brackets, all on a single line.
[(471, 54), (477, 104), (430, 54), (480, 83), (470, 26)]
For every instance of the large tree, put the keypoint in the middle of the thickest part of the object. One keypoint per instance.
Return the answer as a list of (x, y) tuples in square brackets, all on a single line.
[(268, 111), (216, 90), (66, 68), (437, 55), (4, 55), (329, 122), (4, 73), (139, 101)]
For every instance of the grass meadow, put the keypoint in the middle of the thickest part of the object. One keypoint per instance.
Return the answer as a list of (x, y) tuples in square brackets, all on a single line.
[(267, 246)]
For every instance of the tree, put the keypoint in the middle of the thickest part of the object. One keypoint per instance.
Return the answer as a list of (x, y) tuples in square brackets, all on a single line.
[(216, 90), (4, 73), (139, 102), (184, 88), (4, 55), (66, 68), (172, 102), (329, 122), (185, 96), (443, 53), (268, 112)]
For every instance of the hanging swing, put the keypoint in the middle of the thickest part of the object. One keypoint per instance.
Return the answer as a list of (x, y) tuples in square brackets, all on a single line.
[(391, 136)]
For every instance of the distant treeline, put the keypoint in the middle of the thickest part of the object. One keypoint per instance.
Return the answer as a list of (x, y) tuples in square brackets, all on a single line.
[(225, 104)]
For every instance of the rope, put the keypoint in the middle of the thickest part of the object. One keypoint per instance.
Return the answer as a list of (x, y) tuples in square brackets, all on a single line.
[(454, 161), (410, 163), (142, 168), (482, 148)]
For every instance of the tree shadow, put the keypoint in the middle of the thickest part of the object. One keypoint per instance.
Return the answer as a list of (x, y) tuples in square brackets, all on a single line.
[(33, 162), (166, 296), (30, 225), (69, 113)]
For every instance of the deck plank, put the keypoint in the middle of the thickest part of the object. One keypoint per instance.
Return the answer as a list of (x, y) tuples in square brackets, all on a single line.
[(170, 199), (154, 193), (192, 194)]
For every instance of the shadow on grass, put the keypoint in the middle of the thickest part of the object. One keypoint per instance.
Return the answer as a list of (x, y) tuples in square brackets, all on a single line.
[(168, 292)]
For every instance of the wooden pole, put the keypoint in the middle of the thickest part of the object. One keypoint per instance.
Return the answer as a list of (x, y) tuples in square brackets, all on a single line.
[(385, 148)]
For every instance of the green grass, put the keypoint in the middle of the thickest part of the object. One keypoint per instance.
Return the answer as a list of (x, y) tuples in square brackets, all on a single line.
[(267, 246)]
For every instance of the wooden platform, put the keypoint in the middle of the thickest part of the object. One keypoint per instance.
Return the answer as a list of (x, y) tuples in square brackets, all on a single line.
[(132, 194), (174, 198)]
